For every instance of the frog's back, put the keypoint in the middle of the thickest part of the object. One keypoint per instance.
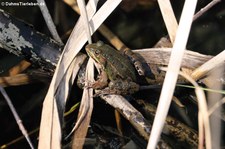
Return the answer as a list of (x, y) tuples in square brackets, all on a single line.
[(118, 65)]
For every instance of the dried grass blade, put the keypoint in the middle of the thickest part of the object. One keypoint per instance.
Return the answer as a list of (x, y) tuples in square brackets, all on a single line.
[(85, 112), (216, 106), (173, 70), (86, 106), (15, 80), (214, 98), (161, 56), (169, 18), (203, 113), (85, 19), (50, 131), (209, 65), (53, 107)]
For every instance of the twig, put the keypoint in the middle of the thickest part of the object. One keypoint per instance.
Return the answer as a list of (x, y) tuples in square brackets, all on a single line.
[(16, 116), (15, 80), (7, 145), (176, 128), (25, 78), (49, 21), (206, 8), (133, 116), (20, 67)]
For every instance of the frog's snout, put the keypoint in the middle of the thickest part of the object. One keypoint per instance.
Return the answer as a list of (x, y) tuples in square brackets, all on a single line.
[(87, 47)]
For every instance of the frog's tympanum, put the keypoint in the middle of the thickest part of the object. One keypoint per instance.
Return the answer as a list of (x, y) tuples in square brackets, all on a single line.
[(117, 74)]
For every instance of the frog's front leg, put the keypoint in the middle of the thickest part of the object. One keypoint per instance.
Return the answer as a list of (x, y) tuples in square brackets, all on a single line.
[(101, 82)]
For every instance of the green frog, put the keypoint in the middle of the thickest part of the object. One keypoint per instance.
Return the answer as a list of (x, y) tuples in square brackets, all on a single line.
[(117, 74)]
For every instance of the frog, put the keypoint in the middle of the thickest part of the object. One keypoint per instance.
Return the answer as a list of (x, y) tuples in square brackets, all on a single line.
[(117, 73)]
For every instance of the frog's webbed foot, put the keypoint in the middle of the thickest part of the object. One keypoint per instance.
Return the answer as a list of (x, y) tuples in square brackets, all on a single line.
[(123, 87), (119, 87), (106, 91)]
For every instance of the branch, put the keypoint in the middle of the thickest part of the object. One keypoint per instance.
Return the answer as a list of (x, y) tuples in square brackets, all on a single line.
[(22, 40)]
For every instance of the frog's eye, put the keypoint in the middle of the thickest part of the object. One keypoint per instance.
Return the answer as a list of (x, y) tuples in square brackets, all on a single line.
[(100, 43), (97, 52)]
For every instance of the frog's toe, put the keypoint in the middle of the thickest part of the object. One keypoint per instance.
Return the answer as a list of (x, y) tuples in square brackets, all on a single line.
[(105, 91), (96, 95), (88, 84)]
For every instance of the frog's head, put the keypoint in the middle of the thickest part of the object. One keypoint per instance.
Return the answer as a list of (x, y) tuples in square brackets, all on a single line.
[(96, 50)]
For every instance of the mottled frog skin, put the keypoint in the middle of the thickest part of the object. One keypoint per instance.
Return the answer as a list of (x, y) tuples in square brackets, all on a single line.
[(115, 68)]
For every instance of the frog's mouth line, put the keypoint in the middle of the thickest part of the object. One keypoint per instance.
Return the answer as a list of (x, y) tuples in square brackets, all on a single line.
[(91, 55)]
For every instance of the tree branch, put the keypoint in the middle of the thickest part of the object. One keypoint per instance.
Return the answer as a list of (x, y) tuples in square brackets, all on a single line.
[(22, 40)]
